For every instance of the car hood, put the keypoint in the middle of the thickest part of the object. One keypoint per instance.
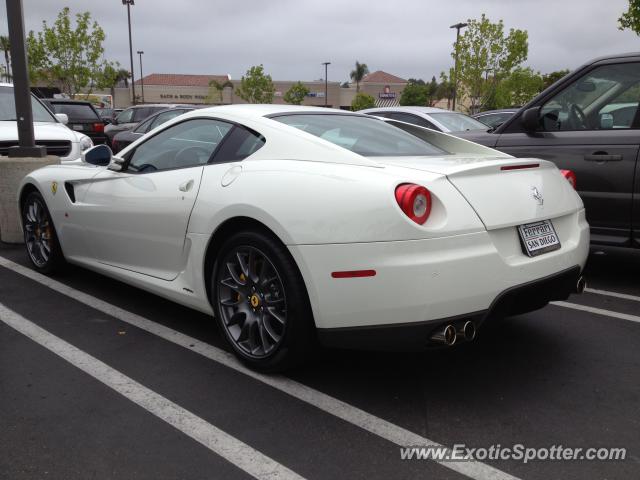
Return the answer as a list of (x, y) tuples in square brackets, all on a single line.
[(42, 131)]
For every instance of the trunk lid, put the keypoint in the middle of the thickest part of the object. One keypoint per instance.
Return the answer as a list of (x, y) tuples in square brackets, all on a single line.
[(503, 191)]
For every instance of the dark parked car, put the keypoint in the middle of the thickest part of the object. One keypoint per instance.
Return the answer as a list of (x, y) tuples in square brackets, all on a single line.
[(83, 117), (495, 118), (130, 117), (587, 122), (124, 139), (108, 114)]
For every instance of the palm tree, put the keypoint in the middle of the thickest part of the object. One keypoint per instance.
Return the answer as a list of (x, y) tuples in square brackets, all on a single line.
[(5, 46), (359, 73), (123, 75), (220, 88)]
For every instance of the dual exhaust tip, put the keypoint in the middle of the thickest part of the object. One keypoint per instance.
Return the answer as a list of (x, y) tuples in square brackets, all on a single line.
[(449, 334)]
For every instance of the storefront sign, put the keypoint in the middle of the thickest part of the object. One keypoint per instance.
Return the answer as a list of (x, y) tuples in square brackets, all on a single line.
[(387, 93)]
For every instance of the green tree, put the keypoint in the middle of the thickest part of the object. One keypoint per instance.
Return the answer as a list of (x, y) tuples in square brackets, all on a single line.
[(108, 78), (358, 73), (215, 90), (549, 79), (487, 56), (71, 58), (362, 101), (415, 93), (296, 94), (631, 18), (445, 88), (256, 87), (5, 46), (520, 87), (432, 91)]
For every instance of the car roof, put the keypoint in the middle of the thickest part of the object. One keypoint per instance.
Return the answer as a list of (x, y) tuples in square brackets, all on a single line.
[(417, 109), (66, 100), (264, 110), (499, 110), (163, 105)]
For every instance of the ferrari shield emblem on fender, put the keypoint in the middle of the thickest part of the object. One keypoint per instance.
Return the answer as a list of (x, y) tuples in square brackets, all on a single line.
[(54, 187)]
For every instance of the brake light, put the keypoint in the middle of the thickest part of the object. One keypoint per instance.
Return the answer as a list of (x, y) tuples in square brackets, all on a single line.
[(520, 167), (570, 176), (98, 127), (414, 201)]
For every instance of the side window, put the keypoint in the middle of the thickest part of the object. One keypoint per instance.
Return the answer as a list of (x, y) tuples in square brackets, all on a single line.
[(125, 116), (141, 113), (605, 98), (238, 145), (143, 127), (185, 144), (165, 116), (413, 119)]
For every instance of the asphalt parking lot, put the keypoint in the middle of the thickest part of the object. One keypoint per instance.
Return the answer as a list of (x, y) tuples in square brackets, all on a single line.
[(99, 380)]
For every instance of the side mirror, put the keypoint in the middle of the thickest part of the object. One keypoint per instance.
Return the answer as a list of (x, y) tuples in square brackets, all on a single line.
[(606, 121), (99, 155), (62, 118), (114, 121), (106, 120), (530, 119)]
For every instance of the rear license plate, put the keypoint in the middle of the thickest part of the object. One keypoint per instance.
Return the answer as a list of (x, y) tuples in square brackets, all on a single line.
[(538, 238), (77, 127)]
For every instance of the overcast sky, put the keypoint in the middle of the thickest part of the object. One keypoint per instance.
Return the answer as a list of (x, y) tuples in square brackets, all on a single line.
[(408, 38)]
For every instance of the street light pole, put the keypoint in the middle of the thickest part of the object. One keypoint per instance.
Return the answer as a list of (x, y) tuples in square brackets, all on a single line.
[(458, 27), (326, 65), (21, 92), (140, 52), (128, 3)]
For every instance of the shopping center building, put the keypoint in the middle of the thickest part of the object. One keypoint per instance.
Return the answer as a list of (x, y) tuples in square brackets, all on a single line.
[(201, 89)]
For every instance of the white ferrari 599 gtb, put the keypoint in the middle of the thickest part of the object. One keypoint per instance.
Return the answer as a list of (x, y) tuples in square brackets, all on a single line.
[(292, 224)]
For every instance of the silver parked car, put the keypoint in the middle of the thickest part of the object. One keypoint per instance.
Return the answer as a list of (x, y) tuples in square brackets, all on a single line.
[(429, 117)]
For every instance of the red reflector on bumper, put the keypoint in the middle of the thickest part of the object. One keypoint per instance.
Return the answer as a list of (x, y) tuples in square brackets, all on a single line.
[(520, 167), (354, 274)]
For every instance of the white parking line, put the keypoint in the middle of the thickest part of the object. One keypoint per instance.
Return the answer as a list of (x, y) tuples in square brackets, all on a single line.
[(598, 311), (231, 449), (607, 293), (366, 421)]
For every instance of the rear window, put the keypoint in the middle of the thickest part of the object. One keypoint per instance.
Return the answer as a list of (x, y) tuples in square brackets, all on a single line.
[(76, 112), (457, 122), (366, 136)]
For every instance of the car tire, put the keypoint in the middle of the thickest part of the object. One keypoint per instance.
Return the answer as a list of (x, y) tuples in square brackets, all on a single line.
[(40, 237), (261, 303)]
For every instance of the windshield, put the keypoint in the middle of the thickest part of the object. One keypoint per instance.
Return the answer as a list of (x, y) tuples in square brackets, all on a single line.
[(8, 108), (366, 136), (457, 122)]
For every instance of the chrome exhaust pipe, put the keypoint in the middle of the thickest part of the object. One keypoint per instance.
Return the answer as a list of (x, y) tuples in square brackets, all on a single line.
[(468, 331), (445, 335), (581, 284)]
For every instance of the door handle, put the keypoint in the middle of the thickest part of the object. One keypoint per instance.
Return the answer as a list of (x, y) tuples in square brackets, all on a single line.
[(602, 157), (186, 186)]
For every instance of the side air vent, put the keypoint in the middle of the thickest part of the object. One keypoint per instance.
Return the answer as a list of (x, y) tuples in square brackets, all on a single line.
[(68, 186)]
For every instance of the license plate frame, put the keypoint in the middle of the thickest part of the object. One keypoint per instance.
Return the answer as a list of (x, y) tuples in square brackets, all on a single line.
[(538, 238)]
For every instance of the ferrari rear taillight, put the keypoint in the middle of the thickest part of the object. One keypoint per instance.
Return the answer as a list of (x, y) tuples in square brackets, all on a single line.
[(414, 201), (570, 176), (98, 127)]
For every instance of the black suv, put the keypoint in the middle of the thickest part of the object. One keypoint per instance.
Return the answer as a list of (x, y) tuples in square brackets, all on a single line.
[(587, 122), (82, 117)]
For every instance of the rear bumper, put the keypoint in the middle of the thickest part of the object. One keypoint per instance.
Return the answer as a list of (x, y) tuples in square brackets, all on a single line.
[(415, 336), (424, 281)]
